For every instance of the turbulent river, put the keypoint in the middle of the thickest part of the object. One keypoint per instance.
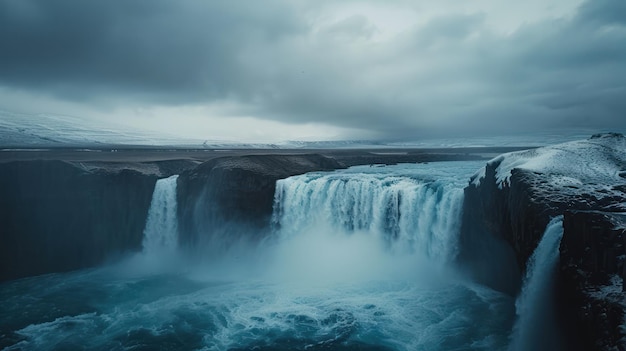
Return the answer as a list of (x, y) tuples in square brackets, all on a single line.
[(358, 259)]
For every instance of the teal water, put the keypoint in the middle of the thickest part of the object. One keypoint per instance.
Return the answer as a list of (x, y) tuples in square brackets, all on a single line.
[(108, 310)]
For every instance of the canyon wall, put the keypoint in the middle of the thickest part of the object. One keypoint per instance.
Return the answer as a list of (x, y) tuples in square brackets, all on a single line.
[(57, 216), (515, 196), (233, 196)]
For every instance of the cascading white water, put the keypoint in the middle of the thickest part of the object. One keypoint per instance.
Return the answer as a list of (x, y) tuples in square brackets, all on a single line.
[(534, 329), (161, 232), (414, 208)]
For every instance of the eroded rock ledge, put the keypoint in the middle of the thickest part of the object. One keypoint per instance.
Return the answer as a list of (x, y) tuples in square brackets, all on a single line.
[(515, 195), (57, 216), (233, 196)]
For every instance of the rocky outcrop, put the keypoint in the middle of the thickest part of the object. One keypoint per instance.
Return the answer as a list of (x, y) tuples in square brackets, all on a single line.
[(500, 229), (513, 199), (57, 216), (592, 277), (233, 196)]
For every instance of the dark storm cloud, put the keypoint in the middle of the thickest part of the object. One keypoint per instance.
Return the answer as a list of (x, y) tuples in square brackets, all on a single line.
[(603, 12), (180, 50), (453, 74), (571, 71)]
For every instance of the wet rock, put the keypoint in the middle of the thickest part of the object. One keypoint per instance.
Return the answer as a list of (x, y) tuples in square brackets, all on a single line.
[(233, 196), (58, 216), (592, 277), (592, 199)]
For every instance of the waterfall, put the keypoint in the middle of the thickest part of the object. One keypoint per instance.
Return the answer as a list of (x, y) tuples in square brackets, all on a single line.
[(413, 213), (534, 329), (161, 232)]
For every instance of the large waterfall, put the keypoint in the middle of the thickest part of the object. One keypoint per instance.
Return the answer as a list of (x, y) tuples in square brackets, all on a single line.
[(161, 232), (411, 209)]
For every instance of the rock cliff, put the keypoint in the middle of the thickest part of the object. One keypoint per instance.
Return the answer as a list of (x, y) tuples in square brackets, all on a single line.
[(513, 198), (233, 196), (58, 216)]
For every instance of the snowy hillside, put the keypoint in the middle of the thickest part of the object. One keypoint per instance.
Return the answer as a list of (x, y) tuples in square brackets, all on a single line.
[(595, 168), (46, 130), (22, 130)]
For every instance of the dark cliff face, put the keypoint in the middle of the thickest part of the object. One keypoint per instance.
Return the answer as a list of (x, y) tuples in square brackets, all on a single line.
[(500, 228), (57, 216), (512, 213), (233, 196), (589, 293), (592, 259)]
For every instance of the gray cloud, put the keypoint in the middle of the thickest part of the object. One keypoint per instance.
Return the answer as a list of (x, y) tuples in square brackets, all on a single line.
[(453, 74), (184, 51)]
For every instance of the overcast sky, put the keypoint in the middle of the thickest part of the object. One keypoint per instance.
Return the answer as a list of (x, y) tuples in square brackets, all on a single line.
[(282, 69)]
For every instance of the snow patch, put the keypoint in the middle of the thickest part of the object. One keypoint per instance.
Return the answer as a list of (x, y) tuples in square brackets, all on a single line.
[(612, 291), (600, 159)]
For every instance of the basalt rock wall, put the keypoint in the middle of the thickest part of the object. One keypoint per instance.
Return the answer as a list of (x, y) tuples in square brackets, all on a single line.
[(229, 197), (592, 277), (504, 219), (57, 216)]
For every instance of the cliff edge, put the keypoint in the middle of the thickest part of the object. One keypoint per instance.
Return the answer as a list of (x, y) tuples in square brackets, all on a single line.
[(514, 197), (232, 197), (58, 216)]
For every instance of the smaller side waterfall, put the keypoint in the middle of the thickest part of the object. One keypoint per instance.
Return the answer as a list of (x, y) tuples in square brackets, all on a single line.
[(161, 232), (535, 326)]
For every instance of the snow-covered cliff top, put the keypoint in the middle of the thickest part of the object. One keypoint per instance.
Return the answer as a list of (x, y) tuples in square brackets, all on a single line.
[(600, 159), (593, 171)]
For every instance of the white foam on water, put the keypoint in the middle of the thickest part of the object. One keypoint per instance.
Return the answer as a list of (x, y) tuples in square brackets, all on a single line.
[(400, 315)]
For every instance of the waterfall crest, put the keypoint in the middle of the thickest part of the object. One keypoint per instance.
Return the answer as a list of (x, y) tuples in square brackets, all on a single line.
[(161, 232), (408, 212), (534, 329)]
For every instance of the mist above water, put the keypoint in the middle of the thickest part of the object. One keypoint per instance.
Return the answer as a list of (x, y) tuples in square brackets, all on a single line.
[(369, 223)]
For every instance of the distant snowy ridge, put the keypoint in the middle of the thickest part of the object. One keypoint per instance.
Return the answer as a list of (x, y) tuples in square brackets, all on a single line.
[(47, 130), (522, 140), (19, 130), (598, 160), (26, 130)]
